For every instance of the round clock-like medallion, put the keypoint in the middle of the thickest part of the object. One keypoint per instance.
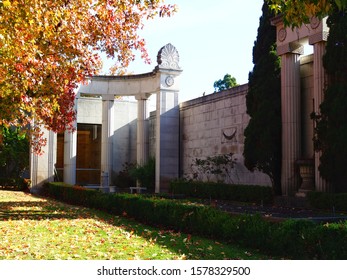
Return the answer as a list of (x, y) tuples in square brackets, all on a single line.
[(169, 81), (282, 34), (315, 22)]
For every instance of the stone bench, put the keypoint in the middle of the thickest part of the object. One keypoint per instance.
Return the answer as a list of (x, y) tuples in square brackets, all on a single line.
[(138, 189), (110, 189)]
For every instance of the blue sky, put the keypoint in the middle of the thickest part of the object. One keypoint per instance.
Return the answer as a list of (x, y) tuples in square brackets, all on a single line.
[(213, 38)]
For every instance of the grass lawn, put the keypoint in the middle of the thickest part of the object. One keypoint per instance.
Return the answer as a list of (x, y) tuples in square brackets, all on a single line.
[(38, 228)]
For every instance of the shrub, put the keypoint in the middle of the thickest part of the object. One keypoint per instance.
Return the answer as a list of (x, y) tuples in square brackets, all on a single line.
[(145, 174), (293, 238), (16, 184), (123, 179), (328, 201), (211, 190), (289, 239), (218, 168)]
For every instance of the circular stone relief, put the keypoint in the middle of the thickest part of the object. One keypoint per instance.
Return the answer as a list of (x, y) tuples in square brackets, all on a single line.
[(169, 81), (315, 22), (282, 34)]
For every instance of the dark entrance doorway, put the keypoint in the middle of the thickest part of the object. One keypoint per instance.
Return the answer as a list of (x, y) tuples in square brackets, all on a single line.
[(88, 159)]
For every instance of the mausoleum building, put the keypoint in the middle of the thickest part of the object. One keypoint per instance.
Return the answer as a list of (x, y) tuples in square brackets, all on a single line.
[(111, 131)]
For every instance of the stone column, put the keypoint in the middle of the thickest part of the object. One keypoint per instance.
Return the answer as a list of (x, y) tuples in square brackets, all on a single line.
[(319, 80), (33, 161), (142, 131), (107, 132), (167, 118), (52, 154), (70, 153), (42, 166), (291, 119), (167, 139)]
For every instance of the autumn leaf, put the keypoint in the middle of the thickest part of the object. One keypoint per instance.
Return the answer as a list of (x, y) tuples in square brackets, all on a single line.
[(49, 47), (40, 229)]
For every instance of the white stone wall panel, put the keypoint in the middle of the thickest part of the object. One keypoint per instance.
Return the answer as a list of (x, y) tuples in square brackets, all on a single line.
[(203, 121)]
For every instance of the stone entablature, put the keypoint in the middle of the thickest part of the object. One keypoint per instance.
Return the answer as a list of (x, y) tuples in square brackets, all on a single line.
[(291, 40)]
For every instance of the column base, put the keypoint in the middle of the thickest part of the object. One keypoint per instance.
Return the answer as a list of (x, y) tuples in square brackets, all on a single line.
[(302, 193), (306, 167)]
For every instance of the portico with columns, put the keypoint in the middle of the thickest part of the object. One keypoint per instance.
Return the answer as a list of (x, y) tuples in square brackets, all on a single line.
[(163, 82), (199, 132), (300, 162)]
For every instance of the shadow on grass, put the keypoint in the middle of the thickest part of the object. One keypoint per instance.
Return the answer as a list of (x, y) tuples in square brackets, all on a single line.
[(190, 246), (36, 210), (187, 245)]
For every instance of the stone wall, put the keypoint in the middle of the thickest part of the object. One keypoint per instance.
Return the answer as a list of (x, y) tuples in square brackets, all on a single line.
[(125, 125), (214, 125), (210, 126), (124, 138), (89, 110)]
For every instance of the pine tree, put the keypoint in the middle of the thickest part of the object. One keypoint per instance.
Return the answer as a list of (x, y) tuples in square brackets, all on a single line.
[(331, 129), (262, 149)]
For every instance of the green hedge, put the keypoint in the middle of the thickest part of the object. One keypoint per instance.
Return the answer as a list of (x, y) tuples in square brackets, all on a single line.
[(289, 239), (328, 201), (244, 193), (15, 184)]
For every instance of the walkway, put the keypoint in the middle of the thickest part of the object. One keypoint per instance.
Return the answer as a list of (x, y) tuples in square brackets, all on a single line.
[(277, 212)]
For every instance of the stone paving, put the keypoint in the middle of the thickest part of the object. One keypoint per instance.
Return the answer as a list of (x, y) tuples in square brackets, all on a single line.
[(279, 212)]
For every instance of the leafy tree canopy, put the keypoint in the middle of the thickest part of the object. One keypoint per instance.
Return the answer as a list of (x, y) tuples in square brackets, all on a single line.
[(297, 12), (48, 47), (226, 83)]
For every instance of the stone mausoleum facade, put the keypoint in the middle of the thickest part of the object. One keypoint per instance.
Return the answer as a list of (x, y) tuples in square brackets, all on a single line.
[(112, 131)]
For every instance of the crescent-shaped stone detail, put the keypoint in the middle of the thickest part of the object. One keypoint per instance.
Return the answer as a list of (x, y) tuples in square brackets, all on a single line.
[(229, 137), (168, 57)]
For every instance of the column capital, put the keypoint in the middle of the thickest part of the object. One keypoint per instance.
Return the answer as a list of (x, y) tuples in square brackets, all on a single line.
[(107, 97), (318, 37), (319, 32), (142, 96), (293, 47)]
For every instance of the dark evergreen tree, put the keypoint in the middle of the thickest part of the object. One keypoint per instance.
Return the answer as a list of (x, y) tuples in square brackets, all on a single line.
[(331, 129), (262, 149), (14, 152)]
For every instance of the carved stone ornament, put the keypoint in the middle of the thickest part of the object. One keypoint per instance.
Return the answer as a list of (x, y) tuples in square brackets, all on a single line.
[(168, 57), (169, 81), (228, 134), (282, 34), (315, 22)]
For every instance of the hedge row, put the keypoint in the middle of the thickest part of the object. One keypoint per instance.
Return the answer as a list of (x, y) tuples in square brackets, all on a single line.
[(15, 184), (328, 201), (289, 239), (244, 193)]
